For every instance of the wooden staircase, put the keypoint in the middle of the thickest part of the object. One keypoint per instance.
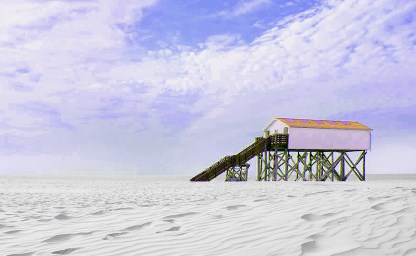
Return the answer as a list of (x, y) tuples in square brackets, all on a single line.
[(257, 147)]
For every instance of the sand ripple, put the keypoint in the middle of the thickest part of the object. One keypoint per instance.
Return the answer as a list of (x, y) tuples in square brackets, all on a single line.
[(153, 217), (62, 216), (65, 251), (58, 238)]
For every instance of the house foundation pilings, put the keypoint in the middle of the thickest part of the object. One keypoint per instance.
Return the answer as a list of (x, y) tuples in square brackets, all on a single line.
[(310, 165)]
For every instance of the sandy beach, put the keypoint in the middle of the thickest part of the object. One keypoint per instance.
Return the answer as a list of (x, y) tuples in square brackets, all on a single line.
[(171, 216)]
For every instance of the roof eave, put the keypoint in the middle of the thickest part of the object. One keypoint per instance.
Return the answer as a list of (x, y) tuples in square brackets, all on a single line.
[(269, 124)]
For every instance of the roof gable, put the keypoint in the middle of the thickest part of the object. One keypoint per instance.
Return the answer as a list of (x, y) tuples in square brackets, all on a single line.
[(325, 124)]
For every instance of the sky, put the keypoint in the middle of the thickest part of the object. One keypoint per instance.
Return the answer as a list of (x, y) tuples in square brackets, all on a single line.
[(99, 87)]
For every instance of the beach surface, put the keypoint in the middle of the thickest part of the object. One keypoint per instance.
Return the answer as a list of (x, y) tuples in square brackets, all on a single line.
[(172, 216)]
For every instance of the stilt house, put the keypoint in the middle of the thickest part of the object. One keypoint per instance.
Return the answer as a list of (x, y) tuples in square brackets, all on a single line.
[(299, 149)]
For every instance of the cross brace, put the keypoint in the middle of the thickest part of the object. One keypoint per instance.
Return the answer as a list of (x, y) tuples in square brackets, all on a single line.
[(237, 173), (309, 165)]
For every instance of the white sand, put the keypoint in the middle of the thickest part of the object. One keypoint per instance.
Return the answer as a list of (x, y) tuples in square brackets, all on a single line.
[(171, 217)]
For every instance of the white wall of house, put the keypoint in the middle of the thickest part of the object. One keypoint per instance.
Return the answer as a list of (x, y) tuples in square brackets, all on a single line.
[(318, 138), (276, 125)]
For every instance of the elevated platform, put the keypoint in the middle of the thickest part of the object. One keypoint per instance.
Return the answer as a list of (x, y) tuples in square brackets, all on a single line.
[(275, 161)]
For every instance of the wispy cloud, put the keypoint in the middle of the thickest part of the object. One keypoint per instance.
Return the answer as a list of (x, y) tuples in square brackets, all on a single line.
[(244, 7), (50, 47)]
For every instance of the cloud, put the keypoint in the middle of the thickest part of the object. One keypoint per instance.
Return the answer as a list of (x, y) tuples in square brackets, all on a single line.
[(335, 52), (53, 47), (175, 111), (40, 116), (71, 64), (245, 7)]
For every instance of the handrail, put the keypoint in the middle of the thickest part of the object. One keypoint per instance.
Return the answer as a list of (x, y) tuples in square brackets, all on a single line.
[(250, 151), (222, 162)]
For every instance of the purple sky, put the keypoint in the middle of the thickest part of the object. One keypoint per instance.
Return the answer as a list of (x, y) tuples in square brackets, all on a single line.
[(168, 87)]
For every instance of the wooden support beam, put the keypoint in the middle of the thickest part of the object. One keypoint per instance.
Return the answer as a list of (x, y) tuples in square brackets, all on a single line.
[(365, 152), (282, 164), (353, 166), (342, 171), (259, 167), (286, 164)]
